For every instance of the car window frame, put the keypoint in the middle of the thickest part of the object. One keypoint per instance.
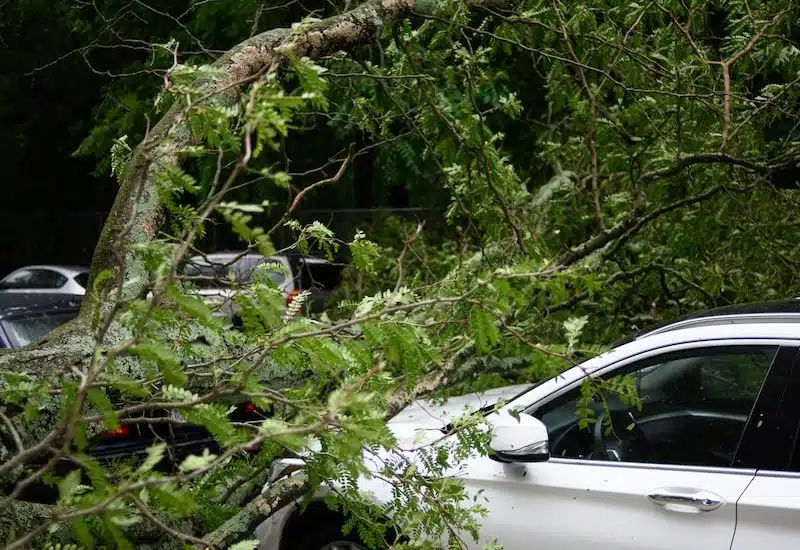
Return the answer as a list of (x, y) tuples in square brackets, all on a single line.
[(63, 279), (14, 274), (786, 357)]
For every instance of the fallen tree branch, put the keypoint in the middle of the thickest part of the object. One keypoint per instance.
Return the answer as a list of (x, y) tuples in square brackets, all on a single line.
[(241, 526)]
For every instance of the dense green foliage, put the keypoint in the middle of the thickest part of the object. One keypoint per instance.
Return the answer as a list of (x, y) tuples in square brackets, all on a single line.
[(598, 166)]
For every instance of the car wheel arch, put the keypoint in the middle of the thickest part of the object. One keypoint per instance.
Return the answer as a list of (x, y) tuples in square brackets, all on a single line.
[(315, 515)]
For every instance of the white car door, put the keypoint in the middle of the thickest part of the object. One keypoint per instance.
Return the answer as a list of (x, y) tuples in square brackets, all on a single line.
[(768, 513), (660, 479), (768, 510)]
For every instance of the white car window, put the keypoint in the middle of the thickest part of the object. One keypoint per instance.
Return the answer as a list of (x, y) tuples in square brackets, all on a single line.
[(687, 408)]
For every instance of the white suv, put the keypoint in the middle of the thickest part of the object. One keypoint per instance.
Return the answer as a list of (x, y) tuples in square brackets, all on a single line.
[(711, 461)]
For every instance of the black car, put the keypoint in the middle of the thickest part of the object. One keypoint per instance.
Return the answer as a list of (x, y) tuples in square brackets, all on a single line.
[(26, 317)]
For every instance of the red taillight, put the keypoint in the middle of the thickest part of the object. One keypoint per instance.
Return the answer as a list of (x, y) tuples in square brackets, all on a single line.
[(119, 432), (292, 296), (250, 408)]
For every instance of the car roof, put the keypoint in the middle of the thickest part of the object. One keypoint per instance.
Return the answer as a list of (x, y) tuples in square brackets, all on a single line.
[(68, 270), (780, 311), (226, 256), (779, 332), (13, 304)]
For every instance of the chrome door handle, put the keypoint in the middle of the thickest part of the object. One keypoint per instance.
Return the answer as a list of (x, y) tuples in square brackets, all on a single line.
[(702, 500)]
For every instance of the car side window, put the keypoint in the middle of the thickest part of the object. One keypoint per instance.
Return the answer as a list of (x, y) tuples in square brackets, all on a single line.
[(687, 408), (18, 279), (35, 278), (44, 278)]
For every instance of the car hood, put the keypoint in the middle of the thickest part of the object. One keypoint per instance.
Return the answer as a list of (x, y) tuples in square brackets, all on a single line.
[(423, 420)]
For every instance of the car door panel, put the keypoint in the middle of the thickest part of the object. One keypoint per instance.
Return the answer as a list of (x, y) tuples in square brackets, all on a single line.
[(768, 513), (572, 505)]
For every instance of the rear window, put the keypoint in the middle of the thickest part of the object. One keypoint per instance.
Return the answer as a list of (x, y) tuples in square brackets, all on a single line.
[(220, 275), (21, 331), (82, 279)]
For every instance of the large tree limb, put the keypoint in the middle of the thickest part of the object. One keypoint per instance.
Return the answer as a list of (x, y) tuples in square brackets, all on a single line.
[(242, 525)]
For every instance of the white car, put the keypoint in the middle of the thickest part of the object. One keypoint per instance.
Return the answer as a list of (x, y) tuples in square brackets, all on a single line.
[(54, 279), (710, 461)]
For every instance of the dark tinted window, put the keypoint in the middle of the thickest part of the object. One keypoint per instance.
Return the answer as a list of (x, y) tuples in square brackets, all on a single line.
[(34, 278), (689, 408)]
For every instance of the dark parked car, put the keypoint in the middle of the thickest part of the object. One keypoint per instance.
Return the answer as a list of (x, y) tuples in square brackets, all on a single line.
[(27, 317)]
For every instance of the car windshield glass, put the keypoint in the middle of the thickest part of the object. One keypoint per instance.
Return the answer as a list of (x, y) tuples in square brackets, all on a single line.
[(216, 275), (22, 331)]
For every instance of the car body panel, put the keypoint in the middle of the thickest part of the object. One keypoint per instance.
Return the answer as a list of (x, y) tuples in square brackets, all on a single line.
[(536, 506), (768, 512)]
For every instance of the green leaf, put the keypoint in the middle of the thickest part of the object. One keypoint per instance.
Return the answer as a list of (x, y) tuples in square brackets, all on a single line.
[(194, 307), (215, 419), (164, 358), (484, 330), (194, 462), (177, 501), (81, 531), (573, 328), (245, 545), (365, 253), (128, 385), (99, 399), (154, 456), (67, 485)]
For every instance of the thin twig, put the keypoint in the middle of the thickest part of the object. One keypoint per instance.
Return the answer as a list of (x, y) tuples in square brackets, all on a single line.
[(166, 528)]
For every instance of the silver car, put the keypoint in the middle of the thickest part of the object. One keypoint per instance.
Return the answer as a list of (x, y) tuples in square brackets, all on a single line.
[(54, 279)]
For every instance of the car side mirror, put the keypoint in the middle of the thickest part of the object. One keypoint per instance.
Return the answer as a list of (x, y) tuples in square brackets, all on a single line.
[(521, 438)]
